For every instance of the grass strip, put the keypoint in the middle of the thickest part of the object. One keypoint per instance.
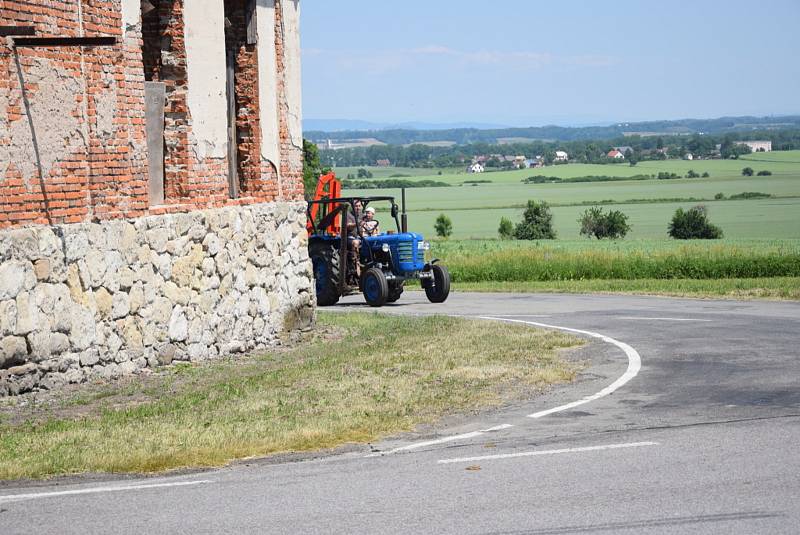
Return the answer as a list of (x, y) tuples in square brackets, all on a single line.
[(744, 196), (553, 263), (778, 288), (371, 376)]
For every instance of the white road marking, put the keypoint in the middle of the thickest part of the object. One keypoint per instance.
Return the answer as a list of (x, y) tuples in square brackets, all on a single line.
[(522, 315), (546, 452), (660, 319), (478, 316), (634, 365), (442, 440), (95, 490)]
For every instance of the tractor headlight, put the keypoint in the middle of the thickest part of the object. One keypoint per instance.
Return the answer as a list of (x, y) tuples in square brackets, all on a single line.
[(385, 247), (424, 246)]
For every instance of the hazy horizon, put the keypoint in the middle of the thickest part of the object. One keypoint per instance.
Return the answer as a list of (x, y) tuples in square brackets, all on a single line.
[(427, 125)]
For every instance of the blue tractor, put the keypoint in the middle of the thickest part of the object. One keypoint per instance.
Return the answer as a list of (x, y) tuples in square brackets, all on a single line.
[(346, 261)]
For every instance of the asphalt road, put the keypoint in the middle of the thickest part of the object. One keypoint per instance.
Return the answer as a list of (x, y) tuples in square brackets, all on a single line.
[(702, 438)]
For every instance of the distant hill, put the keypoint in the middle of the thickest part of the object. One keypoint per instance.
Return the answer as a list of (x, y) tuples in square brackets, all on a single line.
[(464, 135), (342, 125)]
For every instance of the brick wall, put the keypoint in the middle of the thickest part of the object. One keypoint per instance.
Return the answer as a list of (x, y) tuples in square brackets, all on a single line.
[(291, 171), (72, 136)]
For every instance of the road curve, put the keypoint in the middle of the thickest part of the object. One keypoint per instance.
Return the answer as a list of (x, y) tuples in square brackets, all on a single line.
[(702, 439)]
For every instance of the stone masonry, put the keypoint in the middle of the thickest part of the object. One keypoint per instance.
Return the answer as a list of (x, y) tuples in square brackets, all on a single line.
[(86, 300)]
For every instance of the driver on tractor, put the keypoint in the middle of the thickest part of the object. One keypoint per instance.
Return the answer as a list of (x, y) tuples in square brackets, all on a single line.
[(353, 237)]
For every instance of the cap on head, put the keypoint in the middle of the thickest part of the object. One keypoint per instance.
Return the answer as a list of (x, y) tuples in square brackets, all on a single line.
[(370, 210)]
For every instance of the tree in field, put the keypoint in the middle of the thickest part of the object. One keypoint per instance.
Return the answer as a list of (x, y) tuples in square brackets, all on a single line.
[(764, 173), (536, 224), (312, 168), (631, 157), (595, 222), (747, 171), (506, 229), (730, 149), (443, 226), (363, 173), (693, 224)]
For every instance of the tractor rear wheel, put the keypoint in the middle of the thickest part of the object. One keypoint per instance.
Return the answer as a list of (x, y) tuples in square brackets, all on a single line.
[(376, 287), (327, 272), (438, 289), (395, 291)]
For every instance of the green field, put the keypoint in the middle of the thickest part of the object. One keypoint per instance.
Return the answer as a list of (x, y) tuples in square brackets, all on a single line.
[(760, 218), (387, 172), (730, 267), (476, 210)]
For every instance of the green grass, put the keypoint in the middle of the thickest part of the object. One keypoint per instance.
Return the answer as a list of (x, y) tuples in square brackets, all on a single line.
[(370, 376), (786, 156), (744, 219), (518, 261), (783, 163), (779, 288), (740, 269), (761, 234), (511, 194), (387, 172)]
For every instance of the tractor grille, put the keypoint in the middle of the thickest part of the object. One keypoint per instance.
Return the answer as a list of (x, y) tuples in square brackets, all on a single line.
[(405, 251)]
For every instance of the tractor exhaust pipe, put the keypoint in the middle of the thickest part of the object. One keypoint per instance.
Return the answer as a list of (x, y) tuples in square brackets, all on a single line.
[(404, 215)]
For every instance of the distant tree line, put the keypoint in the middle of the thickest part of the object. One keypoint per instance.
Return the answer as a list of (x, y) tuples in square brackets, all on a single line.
[(465, 136), (580, 151)]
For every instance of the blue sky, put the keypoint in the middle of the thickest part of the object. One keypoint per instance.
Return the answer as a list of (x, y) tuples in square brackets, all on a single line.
[(532, 62)]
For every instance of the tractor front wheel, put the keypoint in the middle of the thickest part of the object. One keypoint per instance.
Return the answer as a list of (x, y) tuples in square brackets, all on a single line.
[(376, 287), (438, 289), (325, 261)]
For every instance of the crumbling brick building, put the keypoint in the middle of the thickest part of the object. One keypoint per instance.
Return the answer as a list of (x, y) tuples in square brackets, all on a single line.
[(151, 201)]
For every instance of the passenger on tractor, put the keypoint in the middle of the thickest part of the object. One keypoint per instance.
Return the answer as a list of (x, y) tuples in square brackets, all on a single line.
[(353, 237), (370, 225)]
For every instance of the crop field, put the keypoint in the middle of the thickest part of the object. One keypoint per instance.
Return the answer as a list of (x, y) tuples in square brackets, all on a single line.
[(510, 261), (759, 218), (388, 172), (737, 268), (784, 163), (476, 209), (759, 256)]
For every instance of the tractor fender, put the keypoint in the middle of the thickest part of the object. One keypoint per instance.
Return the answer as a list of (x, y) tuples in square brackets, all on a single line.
[(430, 264)]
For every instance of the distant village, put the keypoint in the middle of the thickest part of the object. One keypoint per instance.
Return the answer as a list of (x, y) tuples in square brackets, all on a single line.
[(480, 163), (619, 154)]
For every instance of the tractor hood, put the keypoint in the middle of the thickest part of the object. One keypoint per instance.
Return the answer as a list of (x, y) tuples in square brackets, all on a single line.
[(406, 248)]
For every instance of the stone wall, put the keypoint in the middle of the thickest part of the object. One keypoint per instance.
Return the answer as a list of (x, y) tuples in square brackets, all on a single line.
[(111, 298)]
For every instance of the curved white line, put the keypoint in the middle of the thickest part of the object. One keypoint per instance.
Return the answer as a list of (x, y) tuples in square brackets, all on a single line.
[(634, 364)]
